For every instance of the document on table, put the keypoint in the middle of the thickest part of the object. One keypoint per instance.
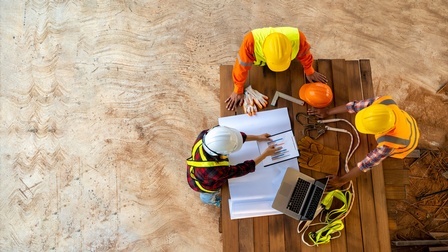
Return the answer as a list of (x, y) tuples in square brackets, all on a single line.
[(286, 141), (252, 195)]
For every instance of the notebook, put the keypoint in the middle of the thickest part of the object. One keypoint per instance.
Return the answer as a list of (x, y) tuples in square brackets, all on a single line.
[(299, 195)]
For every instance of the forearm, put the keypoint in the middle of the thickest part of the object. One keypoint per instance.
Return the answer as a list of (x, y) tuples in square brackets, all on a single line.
[(337, 110), (252, 138), (304, 55), (352, 174), (239, 76), (243, 63), (260, 158)]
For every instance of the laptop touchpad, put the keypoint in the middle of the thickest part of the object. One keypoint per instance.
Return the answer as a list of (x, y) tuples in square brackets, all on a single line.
[(285, 190)]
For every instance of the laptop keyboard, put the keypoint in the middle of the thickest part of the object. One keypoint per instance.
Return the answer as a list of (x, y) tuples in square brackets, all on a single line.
[(298, 195), (314, 202)]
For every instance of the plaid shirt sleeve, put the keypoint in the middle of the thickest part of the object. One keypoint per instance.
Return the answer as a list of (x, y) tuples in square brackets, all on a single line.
[(356, 106), (374, 158)]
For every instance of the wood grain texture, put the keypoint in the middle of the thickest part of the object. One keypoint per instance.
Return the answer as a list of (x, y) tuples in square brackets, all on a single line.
[(100, 102)]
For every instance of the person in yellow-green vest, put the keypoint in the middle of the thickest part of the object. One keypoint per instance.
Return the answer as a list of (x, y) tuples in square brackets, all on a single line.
[(209, 168), (275, 47), (395, 131)]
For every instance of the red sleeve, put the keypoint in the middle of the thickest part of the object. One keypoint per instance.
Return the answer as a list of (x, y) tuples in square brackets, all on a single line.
[(304, 55), (243, 63)]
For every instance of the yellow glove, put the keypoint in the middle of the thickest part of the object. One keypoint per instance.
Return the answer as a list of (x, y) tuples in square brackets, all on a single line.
[(314, 156), (308, 143)]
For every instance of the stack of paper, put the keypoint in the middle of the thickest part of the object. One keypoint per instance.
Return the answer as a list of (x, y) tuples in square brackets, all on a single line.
[(252, 195)]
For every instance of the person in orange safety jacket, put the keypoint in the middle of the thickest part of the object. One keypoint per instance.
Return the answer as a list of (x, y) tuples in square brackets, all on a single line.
[(396, 132), (275, 47)]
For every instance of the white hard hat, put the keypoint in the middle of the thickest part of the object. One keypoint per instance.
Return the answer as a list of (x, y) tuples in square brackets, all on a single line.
[(222, 140)]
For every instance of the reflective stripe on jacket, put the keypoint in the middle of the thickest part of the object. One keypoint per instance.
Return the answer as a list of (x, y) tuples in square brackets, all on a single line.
[(261, 34), (203, 163), (404, 136)]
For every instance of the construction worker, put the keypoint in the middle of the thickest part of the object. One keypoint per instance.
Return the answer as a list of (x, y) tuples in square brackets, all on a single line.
[(208, 168), (395, 131), (274, 47)]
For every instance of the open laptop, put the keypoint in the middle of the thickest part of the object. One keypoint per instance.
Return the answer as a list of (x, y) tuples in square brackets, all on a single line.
[(299, 195)]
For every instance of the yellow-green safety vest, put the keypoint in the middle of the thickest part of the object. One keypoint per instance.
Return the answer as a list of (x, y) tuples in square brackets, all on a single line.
[(261, 34), (203, 163)]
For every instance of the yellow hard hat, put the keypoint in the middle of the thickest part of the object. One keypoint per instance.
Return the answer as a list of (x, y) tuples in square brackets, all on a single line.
[(375, 119), (277, 51)]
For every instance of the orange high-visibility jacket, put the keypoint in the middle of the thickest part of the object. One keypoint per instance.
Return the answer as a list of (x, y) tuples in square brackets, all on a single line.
[(246, 56), (404, 136)]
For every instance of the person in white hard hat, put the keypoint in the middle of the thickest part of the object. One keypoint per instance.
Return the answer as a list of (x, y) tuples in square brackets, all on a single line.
[(208, 168)]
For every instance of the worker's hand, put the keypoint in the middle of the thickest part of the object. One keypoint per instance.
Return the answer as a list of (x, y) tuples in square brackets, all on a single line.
[(271, 150), (264, 137), (249, 106), (260, 99), (317, 77), (234, 101), (335, 182), (318, 112)]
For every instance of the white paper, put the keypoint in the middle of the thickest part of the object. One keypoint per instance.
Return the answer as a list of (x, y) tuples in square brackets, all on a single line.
[(286, 141), (252, 195)]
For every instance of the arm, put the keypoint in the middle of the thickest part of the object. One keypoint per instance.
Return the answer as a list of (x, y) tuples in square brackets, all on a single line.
[(268, 152), (324, 112), (351, 107), (372, 159), (241, 68), (243, 63), (306, 58), (304, 55), (262, 137)]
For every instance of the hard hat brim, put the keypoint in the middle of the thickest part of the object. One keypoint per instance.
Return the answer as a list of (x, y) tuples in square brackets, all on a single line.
[(278, 67)]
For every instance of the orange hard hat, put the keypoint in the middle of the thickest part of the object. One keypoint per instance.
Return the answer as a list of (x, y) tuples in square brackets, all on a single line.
[(316, 94)]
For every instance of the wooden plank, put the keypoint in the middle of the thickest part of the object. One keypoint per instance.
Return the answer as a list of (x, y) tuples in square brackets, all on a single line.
[(225, 88), (261, 234), (230, 234), (365, 193), (276, 233), (283, 84), (229, 227), (396, 177), (342, 90), (420, 242), (393, 225), (297, 80), (302, 109), (395, 192), (393, 164), (377, 174), (246, 231), (292, 238), (434, 249), (392, 212), (330, 140)]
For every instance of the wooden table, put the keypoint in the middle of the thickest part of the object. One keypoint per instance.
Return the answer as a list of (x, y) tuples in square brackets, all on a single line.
[(366, 227)]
